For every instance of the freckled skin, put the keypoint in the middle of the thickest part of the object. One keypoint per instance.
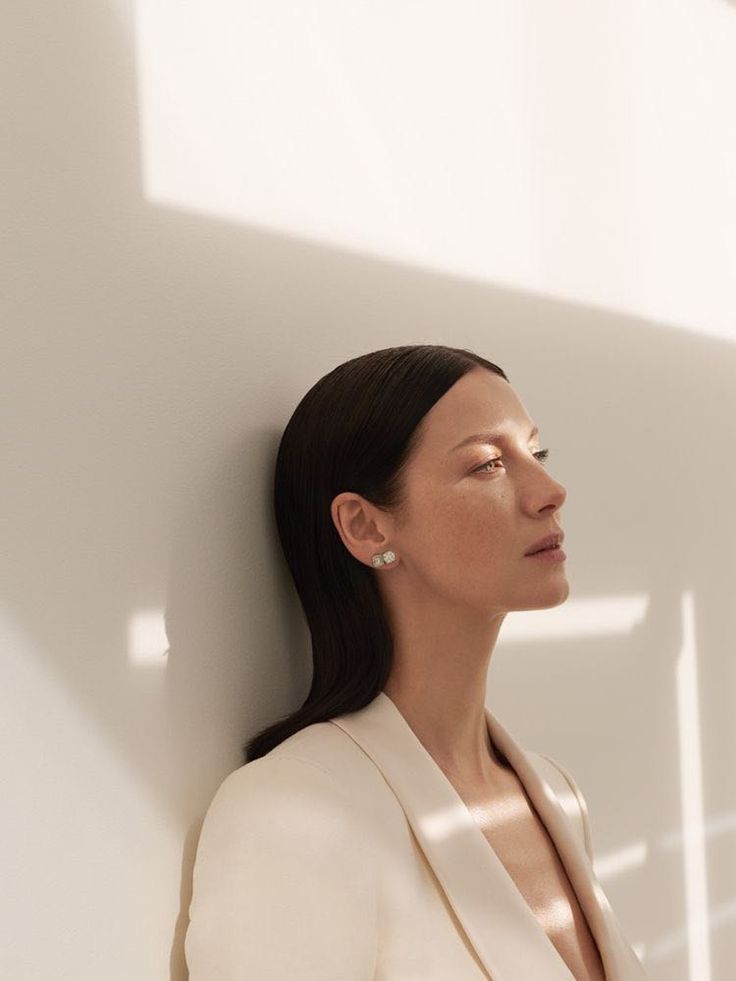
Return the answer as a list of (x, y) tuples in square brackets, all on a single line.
[(464, 537)]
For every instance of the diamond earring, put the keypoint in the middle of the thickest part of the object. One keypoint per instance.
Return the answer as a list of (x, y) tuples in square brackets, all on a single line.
[(382, 558)]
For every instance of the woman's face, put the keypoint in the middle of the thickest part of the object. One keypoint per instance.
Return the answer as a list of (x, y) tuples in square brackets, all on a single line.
[(469, 521)]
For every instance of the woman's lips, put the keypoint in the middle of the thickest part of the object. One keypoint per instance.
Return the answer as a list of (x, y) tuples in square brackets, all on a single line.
[(548, 555)]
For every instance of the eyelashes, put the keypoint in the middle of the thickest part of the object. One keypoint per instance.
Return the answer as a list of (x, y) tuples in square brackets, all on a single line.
[(540, 455)]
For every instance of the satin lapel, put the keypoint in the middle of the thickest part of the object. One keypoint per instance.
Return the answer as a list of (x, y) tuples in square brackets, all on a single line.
[(506, 935), (615, 952)]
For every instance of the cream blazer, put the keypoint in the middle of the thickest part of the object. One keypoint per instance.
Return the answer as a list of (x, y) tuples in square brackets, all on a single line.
[(345, 854)]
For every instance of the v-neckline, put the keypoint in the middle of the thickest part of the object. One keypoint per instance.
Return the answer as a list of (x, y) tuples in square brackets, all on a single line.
[(492, 909), (516, 786), (530, 804)]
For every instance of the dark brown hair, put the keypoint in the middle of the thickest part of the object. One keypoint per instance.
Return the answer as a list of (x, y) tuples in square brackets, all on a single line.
[(356, 430)]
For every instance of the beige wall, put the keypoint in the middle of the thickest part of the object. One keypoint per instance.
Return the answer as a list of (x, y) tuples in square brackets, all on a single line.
[(208, 206)]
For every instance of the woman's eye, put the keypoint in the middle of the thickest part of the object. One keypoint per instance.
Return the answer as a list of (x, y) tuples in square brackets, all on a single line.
[(541, 455)]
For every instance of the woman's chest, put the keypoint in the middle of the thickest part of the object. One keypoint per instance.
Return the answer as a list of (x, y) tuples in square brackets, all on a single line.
[(514, 830)]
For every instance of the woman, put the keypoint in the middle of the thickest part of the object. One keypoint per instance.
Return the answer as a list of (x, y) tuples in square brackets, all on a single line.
[(391, 828)]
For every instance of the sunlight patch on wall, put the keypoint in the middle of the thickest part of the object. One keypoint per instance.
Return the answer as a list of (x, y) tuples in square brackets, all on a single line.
[(595, 617), (487, 141), (378, 128), (712, 827), (382, 128), (691, 797), (621, 860), (148, 644)]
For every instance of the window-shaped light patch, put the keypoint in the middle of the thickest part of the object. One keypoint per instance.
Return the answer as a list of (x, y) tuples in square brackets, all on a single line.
[(597, 616), (147, 640)]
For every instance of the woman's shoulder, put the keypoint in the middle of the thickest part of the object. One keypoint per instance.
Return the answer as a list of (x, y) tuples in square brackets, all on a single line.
[(280, 853), (317, 779), (281, 781)]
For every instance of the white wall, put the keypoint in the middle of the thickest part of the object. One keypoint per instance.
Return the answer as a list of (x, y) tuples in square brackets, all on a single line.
[(208, 206)]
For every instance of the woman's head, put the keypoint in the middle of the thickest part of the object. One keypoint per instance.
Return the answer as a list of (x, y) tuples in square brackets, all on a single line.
[(474, 498), (369, 462)]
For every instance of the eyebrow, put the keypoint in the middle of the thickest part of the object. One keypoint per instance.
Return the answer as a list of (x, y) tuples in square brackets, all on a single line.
[(494, 438)]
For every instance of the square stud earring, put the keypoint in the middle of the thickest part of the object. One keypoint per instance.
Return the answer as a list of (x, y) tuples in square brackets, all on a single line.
[(382, 558)]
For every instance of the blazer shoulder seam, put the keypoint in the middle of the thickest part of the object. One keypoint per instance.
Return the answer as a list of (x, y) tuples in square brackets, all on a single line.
[(310, 762), (331, 775)]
